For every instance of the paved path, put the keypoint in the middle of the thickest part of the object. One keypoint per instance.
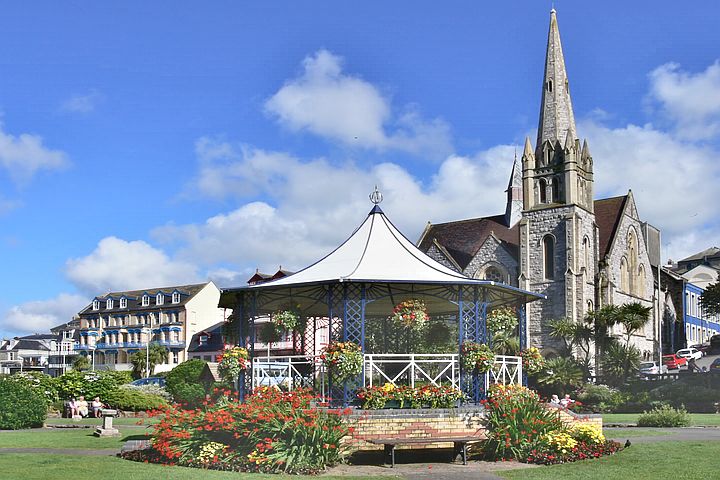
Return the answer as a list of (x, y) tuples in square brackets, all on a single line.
[(672, 435), (432, 471)]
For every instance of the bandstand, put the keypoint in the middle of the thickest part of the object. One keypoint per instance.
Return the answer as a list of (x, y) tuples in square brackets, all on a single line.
[(351, 291)]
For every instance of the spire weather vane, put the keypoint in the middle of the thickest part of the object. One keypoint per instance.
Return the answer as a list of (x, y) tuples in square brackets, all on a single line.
[(376, 197)]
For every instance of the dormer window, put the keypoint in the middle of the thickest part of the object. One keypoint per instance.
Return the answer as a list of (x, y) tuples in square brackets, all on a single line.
[(109, 303), (96, 304), (145, 300), (202, 340), (123, 303), (159, 299), (175, 297)]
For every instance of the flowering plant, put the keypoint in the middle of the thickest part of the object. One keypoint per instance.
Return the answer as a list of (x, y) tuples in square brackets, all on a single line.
[(587, 432), (232, 362), (503, 319), (344, 360), (410, 314), (542, 455), (477, 356), (532, 361), (432, 396), (288, 319)]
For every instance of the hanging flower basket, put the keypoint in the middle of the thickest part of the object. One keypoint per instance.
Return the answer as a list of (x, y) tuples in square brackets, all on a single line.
[(503, 319), (410, 314), (288, 319), (232, 362), (344, 360), (477, 357), (532, 361)]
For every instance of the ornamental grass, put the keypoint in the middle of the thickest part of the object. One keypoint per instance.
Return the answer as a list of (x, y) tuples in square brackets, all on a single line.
[(271, 432)]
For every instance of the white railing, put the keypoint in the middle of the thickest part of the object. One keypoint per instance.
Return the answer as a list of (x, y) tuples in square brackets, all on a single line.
[(507, 370), (290, 372), (406, 369)]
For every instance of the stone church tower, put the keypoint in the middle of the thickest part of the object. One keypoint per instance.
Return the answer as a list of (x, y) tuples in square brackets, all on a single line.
[(558, 237)]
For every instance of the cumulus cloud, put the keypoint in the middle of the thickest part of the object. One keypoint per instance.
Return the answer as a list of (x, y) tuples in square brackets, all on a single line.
[(312, 205), (691, 101), (24, 155), (84, 103), (327, 102), (41, 315), (117, 264)]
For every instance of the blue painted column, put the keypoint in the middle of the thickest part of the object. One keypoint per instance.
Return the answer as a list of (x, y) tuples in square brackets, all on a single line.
[(472, 318), (353, 331), (523, 334), (239, 313)]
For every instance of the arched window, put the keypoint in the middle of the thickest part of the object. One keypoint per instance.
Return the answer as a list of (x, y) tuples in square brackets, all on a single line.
[(542, 186), (586, 255), (550, 86), (555, 190), (549, 257), (632, 261), (590, 306), (624, 276), (640, 288)]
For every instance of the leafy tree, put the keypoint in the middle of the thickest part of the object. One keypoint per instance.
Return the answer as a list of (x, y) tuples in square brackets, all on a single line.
[(81, 363), (158, 354), (576, 336), (710, 299)]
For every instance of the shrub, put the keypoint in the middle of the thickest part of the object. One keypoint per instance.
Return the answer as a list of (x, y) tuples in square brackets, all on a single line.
[(272, 431), (20, 406), (183, 382), (664, 416), (132, 399), (91, 384), (44, 385), (516, 421), (150, 390), (600, 398)]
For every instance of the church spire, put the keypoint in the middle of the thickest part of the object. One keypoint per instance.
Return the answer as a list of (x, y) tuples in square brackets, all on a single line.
[(514, 206), (557, 121)]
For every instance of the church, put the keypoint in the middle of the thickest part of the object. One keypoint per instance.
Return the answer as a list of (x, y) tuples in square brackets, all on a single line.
[(554, 238)]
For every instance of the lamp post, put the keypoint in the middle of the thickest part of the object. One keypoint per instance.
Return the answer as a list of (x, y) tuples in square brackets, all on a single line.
[(148, 331)]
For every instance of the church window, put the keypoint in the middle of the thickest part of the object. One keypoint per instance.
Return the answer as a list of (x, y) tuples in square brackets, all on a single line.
[(624, 275), (548, 257), (549, 86), (493, 274), (640, 290), (632, 261), (554, 190), (586, 254), (542, 186), (590, 307)]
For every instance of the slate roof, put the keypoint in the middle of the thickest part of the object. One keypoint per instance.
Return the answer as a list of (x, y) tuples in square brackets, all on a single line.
[(134, 299), (462, 239), (34, 344), (608, 213), (215, 339), (710, 252)]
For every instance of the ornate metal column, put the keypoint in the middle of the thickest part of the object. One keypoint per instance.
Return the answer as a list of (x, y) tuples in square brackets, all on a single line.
[(353, 331), (472, 318), (523, 334)]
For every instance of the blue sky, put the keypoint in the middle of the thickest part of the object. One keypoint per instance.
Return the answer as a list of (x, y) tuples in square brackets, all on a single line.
[(154, 143)]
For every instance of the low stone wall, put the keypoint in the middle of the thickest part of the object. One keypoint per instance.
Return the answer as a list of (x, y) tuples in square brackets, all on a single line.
[(569, 417), (415, 423)]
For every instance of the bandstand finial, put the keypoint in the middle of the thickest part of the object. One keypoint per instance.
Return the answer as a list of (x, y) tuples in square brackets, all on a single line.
[(376, 197)]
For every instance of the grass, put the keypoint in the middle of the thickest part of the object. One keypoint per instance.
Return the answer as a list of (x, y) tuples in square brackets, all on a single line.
[(61, 467), (82, 438), (634, 432), (98, 421), (696, 419), (649, 461)]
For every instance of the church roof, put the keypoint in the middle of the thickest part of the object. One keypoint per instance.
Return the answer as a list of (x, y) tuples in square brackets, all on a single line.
[(462, 239), (608, 212)]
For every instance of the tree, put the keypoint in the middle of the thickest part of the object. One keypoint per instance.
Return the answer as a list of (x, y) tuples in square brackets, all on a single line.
[(158, 354), (183, 383), (710, 299), (576, 336), (505, 343), (634, 317), (81, 363), (563, 374), (620, 362)]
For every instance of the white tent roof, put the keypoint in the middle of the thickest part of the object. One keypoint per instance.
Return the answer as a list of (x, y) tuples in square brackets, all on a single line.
[(376, 252)]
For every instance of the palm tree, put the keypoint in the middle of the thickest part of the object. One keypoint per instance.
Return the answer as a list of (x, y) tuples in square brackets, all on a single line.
[(156, 355), (505, 343), (634, 317), (620, 362), (560, 373)]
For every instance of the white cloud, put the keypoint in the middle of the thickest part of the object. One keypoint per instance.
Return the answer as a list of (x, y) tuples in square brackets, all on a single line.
[(116, 264), (40, 315), (82, 103), (691, 101), (327, 102), (24, 155)]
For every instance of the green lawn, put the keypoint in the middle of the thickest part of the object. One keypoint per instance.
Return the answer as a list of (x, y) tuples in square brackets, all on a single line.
[(67, 438), (98, 421), (634, 432), (697, 419), (650, 461), (62, 467)]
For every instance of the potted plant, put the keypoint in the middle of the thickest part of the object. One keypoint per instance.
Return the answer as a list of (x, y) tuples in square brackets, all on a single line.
[(532, 361), (410, 314), (344, 360), (477, 357)]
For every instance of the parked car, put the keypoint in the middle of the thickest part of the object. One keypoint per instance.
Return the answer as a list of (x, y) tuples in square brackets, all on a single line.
[(703, 347), (715, 366), (652, 368), (689, 353), (673, 362), (157, 381)]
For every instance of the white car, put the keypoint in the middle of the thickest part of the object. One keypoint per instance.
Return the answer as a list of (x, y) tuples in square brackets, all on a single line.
[(652, 368), (689, 353)]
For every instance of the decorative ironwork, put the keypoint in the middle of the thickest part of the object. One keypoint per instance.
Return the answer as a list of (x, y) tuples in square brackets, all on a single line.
[(376, 197)]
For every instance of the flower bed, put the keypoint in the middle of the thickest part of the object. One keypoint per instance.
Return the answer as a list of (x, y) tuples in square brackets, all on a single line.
[(272, 432), (427, 396)]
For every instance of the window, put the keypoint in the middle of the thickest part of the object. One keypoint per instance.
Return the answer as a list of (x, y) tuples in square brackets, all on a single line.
[(207, 358), (203, 339), (624, 275), (123, 302), (554, 190), (494, 275), (590, 307), (96, 304), (109, 303), (159, 299), (549, 86), (175, 297), (176, 357), (640, 290), (145, 300), (549, 257), (542, 186), (586, 254)]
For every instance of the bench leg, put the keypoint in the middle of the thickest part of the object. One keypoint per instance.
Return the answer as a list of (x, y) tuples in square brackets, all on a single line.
[(460, 448), (390, 452)]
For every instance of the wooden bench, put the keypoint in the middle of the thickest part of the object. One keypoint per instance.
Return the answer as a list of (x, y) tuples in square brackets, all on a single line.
[(459, 445)]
